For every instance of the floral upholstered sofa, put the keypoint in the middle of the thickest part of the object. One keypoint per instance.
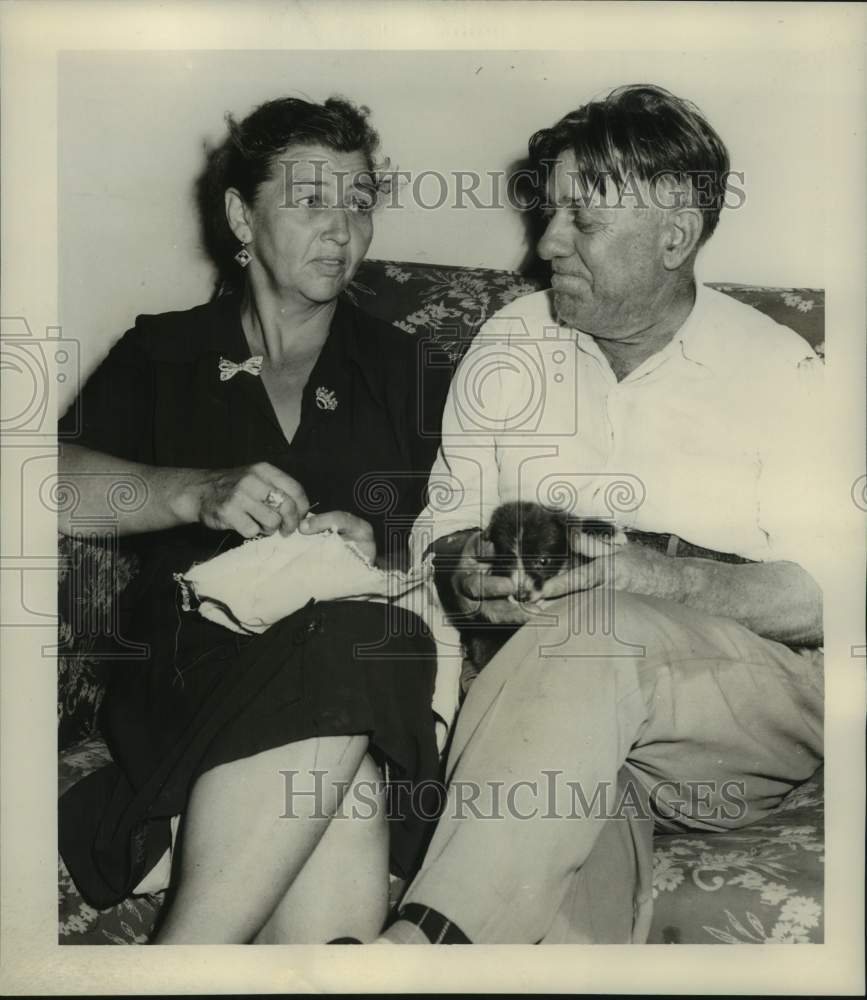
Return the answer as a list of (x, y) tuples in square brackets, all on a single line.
[(762, 884)]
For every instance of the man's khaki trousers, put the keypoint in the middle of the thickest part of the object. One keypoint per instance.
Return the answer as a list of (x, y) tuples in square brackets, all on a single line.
[(620, 715)]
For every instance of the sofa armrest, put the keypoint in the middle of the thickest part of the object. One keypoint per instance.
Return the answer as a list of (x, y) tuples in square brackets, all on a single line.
[(93, 574)]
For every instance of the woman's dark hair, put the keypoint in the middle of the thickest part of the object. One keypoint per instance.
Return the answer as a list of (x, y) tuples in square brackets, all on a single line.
[(250, 151), (640, 131)]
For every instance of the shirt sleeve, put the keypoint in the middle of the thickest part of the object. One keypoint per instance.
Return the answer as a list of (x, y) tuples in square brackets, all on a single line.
[(463, 489), (792, 478), (113, 413)]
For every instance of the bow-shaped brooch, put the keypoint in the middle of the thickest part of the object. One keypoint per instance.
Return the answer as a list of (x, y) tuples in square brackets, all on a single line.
[(228, 369)]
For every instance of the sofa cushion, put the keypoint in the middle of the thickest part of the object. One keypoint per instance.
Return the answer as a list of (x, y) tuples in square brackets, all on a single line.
[(92, 575), (452, 303), (759, 885), (129, 922)]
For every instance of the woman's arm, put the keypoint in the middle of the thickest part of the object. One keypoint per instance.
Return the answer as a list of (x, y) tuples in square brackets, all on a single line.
[(157, 498)]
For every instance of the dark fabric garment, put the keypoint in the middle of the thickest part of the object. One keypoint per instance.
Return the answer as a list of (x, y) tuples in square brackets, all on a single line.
[(205, 695)]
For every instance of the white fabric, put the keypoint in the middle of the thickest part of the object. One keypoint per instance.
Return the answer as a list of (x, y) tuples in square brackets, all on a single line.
[(268, 578), (717, 437), (157, 879)]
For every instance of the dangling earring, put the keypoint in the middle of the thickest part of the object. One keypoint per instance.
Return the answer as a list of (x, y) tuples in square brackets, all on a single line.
[(243, 256)]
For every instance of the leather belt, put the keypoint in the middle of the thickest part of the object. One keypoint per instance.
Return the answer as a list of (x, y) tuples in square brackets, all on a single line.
[(677, 548)]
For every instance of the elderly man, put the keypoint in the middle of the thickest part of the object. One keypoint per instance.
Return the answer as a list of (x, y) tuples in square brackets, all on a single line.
[(682, 667)]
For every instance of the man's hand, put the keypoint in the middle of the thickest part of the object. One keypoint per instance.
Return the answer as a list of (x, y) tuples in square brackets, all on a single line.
[(593, 566), (352, 528), (476, 591)]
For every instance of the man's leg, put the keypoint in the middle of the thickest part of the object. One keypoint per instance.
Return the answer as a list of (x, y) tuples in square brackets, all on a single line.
[(706, 701)]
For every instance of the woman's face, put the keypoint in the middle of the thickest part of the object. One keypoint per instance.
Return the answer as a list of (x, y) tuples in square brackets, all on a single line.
[(310, 223)]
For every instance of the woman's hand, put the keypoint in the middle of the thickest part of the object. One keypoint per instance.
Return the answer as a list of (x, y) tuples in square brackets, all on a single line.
[(350, 527), (252, 500)]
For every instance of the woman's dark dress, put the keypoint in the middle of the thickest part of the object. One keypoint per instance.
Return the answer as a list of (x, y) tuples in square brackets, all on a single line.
[(205, 695)]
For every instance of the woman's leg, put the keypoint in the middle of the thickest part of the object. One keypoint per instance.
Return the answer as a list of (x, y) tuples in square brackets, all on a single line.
[(244, 838), (342, 891)]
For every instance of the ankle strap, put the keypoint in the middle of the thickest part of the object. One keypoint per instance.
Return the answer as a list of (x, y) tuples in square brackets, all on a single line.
[(435, 927)]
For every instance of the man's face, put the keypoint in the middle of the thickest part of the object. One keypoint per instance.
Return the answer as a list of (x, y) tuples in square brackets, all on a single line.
[(608, 277)]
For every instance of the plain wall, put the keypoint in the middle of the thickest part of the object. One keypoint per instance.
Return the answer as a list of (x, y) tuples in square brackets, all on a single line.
[(133, 127)]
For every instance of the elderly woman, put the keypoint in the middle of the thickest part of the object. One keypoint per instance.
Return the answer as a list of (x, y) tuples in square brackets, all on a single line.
[(238, 417)]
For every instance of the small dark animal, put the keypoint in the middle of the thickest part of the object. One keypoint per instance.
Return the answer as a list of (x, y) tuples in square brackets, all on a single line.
[(531, 544)]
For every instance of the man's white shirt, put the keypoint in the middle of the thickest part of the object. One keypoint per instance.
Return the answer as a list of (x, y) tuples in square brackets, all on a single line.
[(716, 438)]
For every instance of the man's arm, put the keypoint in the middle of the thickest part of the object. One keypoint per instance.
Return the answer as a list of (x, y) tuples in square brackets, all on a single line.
[(777, 600)]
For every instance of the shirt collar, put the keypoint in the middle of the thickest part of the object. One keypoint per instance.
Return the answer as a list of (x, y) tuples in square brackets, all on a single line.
[(697, 340)]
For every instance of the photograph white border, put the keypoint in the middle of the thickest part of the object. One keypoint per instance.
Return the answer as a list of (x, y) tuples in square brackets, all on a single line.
[(31, 961)]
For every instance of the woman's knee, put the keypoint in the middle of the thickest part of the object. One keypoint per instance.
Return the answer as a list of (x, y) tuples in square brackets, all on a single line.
[(364, 801), (319, 769)]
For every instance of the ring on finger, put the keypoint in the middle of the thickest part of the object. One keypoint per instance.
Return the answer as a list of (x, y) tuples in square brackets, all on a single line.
[(275, 498)]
